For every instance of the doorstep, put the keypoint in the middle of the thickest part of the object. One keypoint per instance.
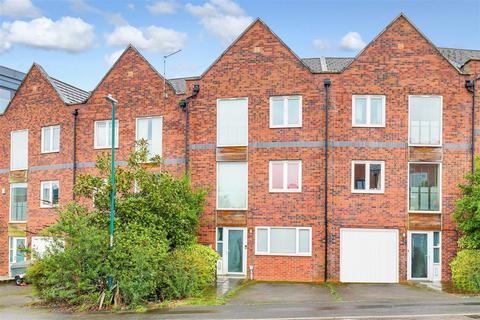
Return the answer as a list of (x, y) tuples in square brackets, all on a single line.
[(226, 284), (434, 285), (5, 279)]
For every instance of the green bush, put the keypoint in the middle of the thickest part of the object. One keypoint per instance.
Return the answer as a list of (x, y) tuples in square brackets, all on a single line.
[(151, 224), (188, 272), (466, 270)]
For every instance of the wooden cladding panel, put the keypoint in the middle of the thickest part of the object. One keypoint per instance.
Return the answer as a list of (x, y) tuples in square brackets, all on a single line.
[(18, 176), (425, 221), (231, 218), (232, 153), (425, 154)]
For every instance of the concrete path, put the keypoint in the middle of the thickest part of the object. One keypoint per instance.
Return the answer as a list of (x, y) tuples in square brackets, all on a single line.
[(285, 301)]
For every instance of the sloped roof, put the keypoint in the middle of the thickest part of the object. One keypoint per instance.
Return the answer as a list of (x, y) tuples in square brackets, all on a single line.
[(331, 64), (68, 93), (459, 57)]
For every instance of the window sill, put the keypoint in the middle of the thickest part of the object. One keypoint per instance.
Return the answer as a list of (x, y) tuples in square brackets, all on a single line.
[(285, 191), (232, 209), (286, 126), (103, 148), (23, 169), (427, 212), (425, 145), (368, 126), (48, 207), (284, 254), (47, 152), (13, 222), (368, 192)]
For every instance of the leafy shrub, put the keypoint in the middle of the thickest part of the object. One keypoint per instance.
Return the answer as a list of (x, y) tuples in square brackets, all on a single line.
[(188, 271), (152, 226), (466, 270)]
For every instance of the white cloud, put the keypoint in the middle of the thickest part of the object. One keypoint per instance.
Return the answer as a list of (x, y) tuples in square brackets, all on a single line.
[(223, 18), (131, 6), (163, 7), (111, 17), (320, 44), (154, 39), (67, 33), (352, 41), (110, 59), (18, 8)]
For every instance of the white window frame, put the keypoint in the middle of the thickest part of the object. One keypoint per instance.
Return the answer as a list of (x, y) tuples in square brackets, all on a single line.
[(11, 151), (19, 184), (117, 134), (136, 131), (440, 202), (297, 233), (51, 139), (285, 112), (245, 143), (369, 97), (441, 121), (367, 164), (246, 187), (50, 183), (285, 176)]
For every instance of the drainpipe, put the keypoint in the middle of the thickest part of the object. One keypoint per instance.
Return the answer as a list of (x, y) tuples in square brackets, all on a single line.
[(184, 106), (470, 86), (326, 85), (74, 156)]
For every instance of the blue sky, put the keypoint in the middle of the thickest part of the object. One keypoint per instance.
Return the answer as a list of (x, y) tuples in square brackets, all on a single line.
[(77, 40)]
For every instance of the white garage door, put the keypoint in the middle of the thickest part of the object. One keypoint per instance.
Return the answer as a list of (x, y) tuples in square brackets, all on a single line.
[(369, 255)]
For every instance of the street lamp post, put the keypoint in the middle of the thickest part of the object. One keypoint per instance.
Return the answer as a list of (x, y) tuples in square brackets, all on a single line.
[(112, 191)]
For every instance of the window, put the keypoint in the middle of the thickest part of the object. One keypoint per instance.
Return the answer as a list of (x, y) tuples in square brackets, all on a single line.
[(41, 246), (286, 112), (286, 176), (103, 134), (436, 247), (232, 122), (424, 187), (5, 97), (51, 139), (220, 241), (150, 129), (18, 202), (283, 241), (19, 150), (232, 180), (425, 116), (368, 176), (368, 111), (49, 194)]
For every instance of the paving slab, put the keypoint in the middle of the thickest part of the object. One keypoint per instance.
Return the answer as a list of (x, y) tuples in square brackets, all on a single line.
[(284, 293)]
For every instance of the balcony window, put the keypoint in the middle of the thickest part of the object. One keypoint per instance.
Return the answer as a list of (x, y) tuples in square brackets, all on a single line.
[(424, 187)]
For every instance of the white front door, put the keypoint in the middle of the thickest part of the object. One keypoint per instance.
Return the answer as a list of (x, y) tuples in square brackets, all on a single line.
[(424, 255), (232, 246), (369, 255), (17, 246)]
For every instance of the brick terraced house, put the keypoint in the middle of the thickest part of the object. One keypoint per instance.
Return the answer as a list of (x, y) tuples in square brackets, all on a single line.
[(322, 168)]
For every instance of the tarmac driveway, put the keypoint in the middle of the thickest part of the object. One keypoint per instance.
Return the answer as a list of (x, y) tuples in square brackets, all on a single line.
[(285, 293)]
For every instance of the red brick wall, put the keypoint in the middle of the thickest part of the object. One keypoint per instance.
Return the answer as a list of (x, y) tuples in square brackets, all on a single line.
[(398, 63)]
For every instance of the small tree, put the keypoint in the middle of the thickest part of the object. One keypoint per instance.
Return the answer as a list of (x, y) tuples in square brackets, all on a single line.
[(467, 213), (155, 214)]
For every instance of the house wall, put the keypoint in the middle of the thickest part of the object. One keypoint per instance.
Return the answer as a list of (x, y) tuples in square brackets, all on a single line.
[(399, 63)]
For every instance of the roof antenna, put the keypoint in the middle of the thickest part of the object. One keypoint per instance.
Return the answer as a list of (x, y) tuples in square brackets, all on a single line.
[(164, 71)]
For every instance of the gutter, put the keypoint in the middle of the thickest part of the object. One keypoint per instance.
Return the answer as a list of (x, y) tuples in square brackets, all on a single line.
[(326, 85), (74, 155), (470, 85), (183, 104)]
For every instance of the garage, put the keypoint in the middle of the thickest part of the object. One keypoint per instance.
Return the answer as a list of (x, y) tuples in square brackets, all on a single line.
[(369, 255)]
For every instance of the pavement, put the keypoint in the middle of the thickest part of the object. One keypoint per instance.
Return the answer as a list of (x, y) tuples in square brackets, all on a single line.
[(283, 301)]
